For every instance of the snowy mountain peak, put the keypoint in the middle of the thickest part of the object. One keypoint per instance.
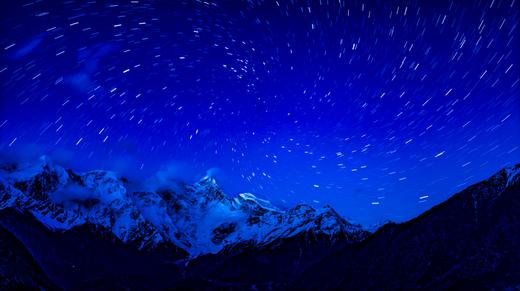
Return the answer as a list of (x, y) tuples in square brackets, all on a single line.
[(197, 218), (26, 171), (253, 201), (207, 183)]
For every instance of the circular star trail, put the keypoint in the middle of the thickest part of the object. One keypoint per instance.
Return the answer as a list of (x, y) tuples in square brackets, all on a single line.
[(379, 108)]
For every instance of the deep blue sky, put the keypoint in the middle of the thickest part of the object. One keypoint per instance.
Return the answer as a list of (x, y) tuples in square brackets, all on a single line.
[(380, 108)]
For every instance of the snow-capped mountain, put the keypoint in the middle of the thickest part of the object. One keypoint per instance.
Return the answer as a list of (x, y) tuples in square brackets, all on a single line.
[(197, 218), (61, 230)]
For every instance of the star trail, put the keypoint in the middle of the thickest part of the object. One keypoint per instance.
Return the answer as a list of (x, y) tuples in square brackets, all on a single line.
[(381, 109)]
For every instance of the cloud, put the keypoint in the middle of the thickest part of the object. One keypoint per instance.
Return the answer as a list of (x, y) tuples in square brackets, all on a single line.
[(155, 175), (90, 58), (170, 175), (28, 152), (28, 47), (81, 81), (72, 192), (213, 172)]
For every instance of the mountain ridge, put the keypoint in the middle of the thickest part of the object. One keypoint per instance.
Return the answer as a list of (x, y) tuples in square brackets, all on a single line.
[(469, 241), (197, 218)]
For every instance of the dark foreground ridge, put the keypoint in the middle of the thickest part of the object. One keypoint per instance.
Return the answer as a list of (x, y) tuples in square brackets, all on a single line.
[(87, 231)]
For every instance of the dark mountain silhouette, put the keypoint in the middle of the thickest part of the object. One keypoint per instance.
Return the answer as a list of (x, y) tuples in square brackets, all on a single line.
[(469, 242)]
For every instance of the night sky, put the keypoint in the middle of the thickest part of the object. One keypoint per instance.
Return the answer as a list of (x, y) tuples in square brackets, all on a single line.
[(381, 109)]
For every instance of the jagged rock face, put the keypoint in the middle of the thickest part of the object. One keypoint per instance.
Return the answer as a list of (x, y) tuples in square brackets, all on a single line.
[(197, 218), (222, 231)]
